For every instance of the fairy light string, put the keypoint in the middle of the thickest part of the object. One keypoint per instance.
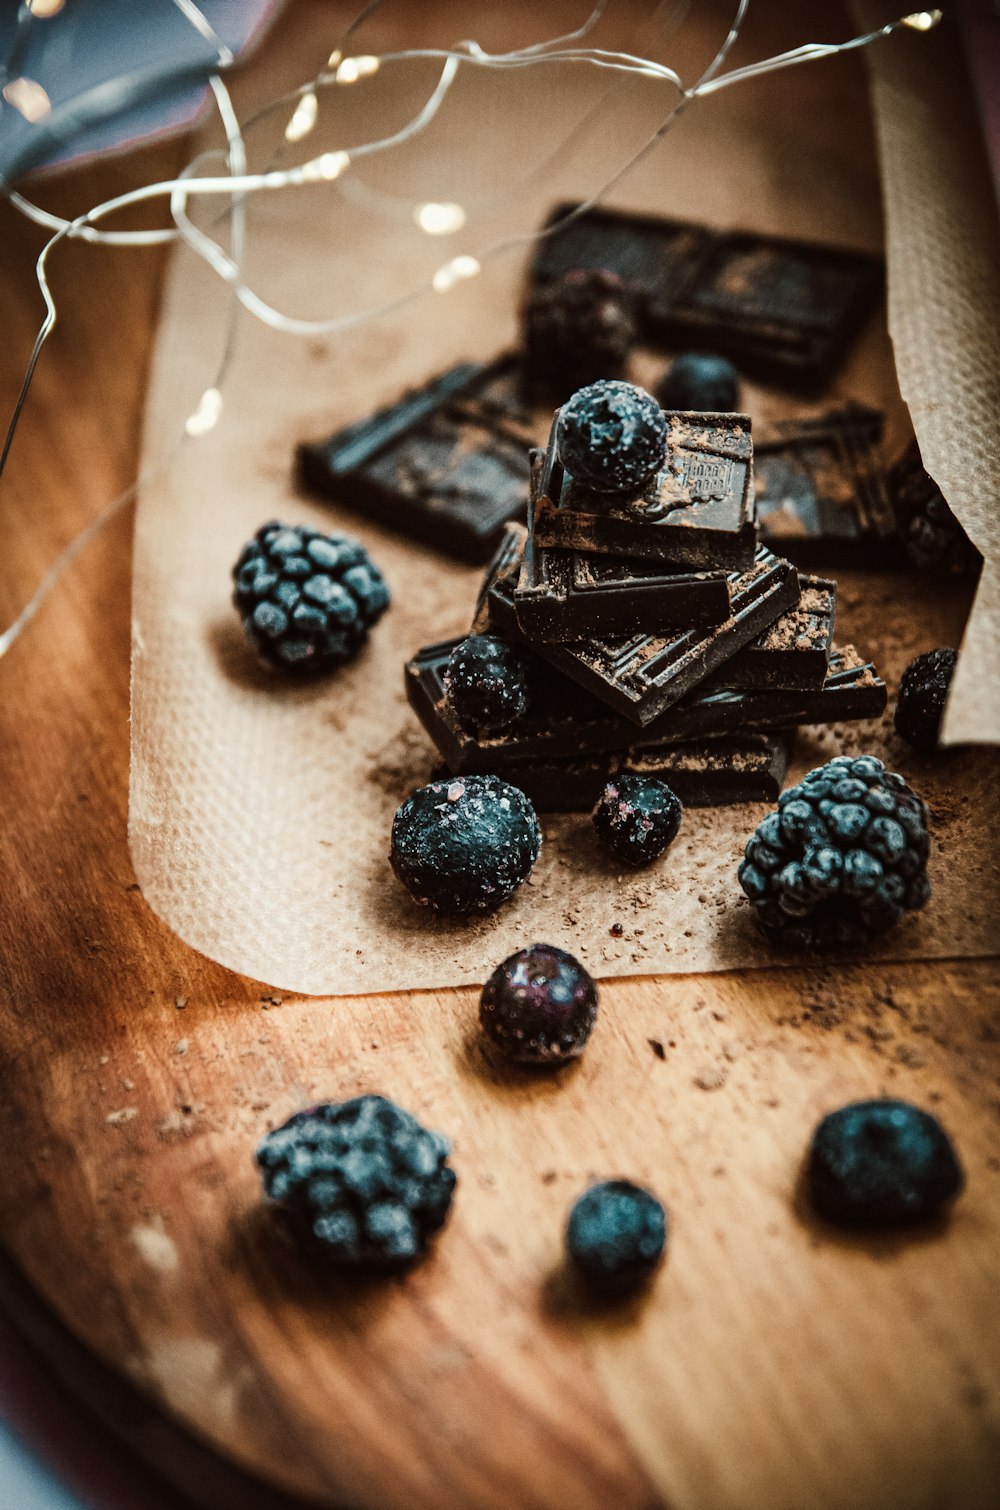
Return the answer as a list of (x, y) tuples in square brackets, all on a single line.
[(236, 185)]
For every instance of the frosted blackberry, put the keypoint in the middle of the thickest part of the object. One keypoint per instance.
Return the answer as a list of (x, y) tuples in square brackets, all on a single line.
[(486, 682), (841, 860), (701, 381), (636, 818), (616, 1235), (923, 692), (882, 1164), (539, 1006), (307, 600), (465, 844), (360, 1182), (577, 328), (612, 437), (933, 539)]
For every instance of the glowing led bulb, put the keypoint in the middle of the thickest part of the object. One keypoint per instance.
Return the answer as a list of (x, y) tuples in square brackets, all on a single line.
[(922, 20), (206, 416), (326, 168), (350, 70), (29, 97), (43, 9), (439, 219), (453, 272), (304, 118)]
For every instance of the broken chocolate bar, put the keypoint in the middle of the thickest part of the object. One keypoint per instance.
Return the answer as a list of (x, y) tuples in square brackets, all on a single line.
[(821, 495), (783, 310), (793, 651), (564, 721), (697, 513), (704, 773), (569, 595), (447, 465), (645, 673)]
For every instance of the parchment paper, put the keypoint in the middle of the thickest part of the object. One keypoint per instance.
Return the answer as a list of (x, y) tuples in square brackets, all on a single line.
[(260, 811), (943, 252)]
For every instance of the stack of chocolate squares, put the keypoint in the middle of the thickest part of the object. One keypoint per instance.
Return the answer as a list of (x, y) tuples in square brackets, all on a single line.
[(651, 630)]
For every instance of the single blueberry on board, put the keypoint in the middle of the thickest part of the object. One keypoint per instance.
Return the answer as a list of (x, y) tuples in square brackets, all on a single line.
[(702, 382), (486, 682), (465, 844), (616, 1235), (359, 1182), (636, 818), (923, 692), (612, 437), (539, 1006), (882, 1164)]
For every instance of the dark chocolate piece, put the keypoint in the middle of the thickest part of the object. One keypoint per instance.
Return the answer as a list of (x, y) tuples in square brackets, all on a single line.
[(697, 512), (447, 464), (568, 595), (703, 773), (821, 494), (563, 721), (783, 310), (642, 675), (794, 650)]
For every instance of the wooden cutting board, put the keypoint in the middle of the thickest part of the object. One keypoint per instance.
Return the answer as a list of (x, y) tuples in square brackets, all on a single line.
[(773, 1364)]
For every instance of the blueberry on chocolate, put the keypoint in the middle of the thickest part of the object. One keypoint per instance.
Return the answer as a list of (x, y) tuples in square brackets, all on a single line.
[(539, 1006), (882, 1164), (486, 682), (616, 1235), (636, 818), (577, 328), (923, 692), (307, 600), (465, 844), (700, 381), (360, 1183), (841, 860), (612, 437)]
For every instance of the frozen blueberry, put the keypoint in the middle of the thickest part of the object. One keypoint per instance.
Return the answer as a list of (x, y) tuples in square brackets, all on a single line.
[(465, 844), (359, 1182), (701, 381), (616, 1235), (486, 682), (612, 437), (932, 537), (841, 860), (636, 818), (923, 692), (539, 1006), (578, 328), (307, 600), (882, 1164)]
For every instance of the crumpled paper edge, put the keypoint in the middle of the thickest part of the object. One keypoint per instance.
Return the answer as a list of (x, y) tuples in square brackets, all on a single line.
[(943, 259)]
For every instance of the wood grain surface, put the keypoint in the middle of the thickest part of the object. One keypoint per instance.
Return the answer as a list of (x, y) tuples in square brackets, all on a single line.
[(774, 1363)]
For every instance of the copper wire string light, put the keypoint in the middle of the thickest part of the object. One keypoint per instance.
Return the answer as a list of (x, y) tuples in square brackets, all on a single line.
[(437, 217)]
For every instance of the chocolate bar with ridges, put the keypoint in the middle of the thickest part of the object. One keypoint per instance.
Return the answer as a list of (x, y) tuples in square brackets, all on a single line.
[(822, 498), (702, 773), (447, 464), (783, 310), (697, 513), (568, 595), (563, 721), (641, 675), (793, 651)]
